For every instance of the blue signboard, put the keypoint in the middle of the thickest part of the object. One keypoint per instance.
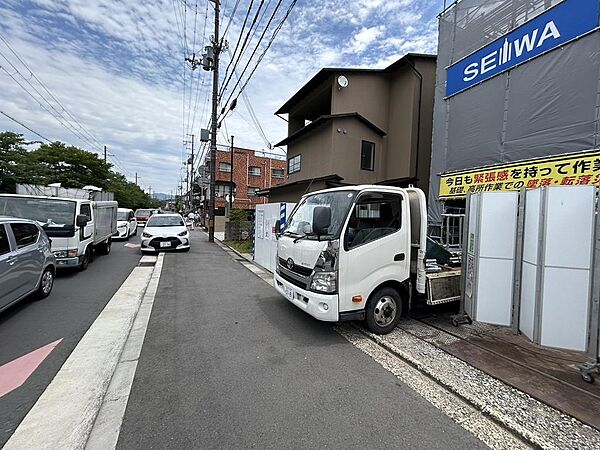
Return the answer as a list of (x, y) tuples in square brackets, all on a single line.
[(557, 26)]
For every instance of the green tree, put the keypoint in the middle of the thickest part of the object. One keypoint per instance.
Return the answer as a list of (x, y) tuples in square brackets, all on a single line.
[(13, 159)]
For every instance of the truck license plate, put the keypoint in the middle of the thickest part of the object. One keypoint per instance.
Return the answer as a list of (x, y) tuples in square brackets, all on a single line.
[(289, 293), (165, 244)]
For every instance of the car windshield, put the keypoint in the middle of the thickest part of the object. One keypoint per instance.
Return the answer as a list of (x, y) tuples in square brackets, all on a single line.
[(55, 216), (122, 215), (300, 222), (165, 221), (143, 212)]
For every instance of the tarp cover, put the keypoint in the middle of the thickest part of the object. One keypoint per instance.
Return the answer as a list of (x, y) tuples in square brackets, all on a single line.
[(546, 106)]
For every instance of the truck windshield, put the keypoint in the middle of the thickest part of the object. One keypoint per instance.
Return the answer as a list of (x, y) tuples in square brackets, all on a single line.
[(300, 222), (57, 217)]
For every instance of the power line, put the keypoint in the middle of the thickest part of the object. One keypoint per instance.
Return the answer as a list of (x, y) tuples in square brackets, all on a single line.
[(273, 36), (25, 126), (235, 7)]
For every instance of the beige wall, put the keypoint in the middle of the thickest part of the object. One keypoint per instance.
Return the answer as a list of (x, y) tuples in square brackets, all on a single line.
[(316, 155), (427, 69), (293, 194), (366, 94), (347, 150)]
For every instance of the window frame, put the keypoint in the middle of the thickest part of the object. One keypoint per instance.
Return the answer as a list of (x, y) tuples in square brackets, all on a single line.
[(357, 203), (362, 148), (259, 174), (289, 161), (221, 164), (7, 235), (19, 246), (86, 205), (276, 176)]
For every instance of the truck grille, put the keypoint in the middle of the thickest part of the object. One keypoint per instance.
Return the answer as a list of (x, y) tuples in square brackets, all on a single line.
[(301, 270)]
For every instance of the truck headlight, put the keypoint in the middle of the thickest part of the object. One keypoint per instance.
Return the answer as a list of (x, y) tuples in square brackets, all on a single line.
[(324, 282)]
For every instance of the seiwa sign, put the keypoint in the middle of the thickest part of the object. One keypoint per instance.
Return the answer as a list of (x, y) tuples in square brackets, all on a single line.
[(562, 23)]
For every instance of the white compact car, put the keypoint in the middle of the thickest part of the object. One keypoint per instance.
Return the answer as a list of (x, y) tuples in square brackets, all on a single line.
[(126, 224), (165, 232)]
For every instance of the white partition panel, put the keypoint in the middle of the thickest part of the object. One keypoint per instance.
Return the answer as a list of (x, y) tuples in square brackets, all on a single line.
[(265, 242), (567, 260), (530, 262)]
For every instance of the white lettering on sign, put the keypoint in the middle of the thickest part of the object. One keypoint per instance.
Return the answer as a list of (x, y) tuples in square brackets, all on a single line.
[(504, 53)]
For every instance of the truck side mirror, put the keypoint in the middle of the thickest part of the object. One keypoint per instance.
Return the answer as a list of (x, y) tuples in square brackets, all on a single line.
[(82, 220), (321, 220), (277, 228)]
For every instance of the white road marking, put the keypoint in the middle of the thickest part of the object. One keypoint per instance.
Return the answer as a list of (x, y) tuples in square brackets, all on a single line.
[(105, 432), (64, 414)]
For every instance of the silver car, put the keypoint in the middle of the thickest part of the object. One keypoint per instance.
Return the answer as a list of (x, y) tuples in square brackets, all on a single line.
[(27, 265)]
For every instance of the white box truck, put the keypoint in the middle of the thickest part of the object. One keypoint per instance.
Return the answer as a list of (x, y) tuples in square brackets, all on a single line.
[(356, 253), (77, 226)]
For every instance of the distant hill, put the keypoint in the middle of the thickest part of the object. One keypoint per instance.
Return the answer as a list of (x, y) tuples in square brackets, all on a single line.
[(161, 196)]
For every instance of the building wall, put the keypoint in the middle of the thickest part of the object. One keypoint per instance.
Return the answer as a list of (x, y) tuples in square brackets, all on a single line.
[(316, 158), (295, 192), (243, 159), (366, 94), (545, 106), (346, 151)]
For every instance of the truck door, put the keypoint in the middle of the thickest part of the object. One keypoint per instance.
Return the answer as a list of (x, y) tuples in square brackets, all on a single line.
[(88, 230), (374, 247)]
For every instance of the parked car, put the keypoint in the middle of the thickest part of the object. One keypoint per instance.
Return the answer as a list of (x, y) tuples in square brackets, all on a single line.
[(27, 265), (142, 216), (165, 232), (126, 223)]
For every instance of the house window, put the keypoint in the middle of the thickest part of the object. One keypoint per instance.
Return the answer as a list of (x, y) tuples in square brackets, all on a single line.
[(252, 190), (221, 190), (224, 167), (278, 173), (254, 171), (367, 156), (294, 164)]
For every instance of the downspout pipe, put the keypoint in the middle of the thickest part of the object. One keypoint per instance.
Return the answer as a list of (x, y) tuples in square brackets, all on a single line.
[(418, 74)]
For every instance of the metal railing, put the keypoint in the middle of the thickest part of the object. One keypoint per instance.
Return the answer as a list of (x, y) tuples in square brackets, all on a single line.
[(449, 233)]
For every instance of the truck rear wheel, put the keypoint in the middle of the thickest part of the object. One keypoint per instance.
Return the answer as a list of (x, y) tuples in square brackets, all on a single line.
[(104, 248), (383, 310)]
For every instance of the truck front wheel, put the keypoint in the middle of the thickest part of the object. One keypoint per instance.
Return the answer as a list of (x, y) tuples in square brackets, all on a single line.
[(383, 310)]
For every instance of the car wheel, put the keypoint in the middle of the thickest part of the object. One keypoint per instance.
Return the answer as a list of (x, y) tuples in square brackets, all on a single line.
[(383, 311), (128, 234), (85, 259), (135, 231), (46, 283)]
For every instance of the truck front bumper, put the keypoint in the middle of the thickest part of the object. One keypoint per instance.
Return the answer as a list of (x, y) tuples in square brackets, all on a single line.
[(320, 306), (67, 262)]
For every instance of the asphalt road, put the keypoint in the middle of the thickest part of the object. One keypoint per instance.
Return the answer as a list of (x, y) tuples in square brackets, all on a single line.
[(228, 363), (73, 305)]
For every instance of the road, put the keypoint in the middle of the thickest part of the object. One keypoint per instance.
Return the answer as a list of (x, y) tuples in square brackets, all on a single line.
[(73, 305), (227, 363)]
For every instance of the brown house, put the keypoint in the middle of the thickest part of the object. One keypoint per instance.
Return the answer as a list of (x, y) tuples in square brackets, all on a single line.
[(360, 126), (251, 173)]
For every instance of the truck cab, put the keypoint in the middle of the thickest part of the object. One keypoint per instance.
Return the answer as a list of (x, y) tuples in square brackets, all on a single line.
[(354, 253)]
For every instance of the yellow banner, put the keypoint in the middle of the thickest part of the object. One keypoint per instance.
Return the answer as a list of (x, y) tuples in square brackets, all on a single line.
[(574, 169)]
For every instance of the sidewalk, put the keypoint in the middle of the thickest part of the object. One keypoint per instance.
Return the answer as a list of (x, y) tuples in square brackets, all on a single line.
[(227, 363)]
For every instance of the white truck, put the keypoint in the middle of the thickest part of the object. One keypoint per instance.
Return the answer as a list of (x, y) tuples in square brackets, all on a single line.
[(77, 225), (357, 253)]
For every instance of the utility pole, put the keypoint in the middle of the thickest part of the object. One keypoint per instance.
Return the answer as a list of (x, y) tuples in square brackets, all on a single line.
[(136, 178), (105, 154), (190, 161), (213, 136), (231, 178)]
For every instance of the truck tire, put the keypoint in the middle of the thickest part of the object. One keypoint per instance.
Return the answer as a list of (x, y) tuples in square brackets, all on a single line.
[(85, 259), (104, 248), (383, 310)]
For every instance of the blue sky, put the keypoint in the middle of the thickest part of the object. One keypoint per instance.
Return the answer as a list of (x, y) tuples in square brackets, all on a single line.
[(117, 66)]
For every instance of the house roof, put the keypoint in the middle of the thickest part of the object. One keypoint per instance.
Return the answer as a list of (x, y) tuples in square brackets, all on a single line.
[(324, 73), (324, 119), (333, 180)]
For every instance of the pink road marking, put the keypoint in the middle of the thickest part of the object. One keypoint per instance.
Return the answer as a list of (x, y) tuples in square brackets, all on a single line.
[(13, 374), (133, 245)]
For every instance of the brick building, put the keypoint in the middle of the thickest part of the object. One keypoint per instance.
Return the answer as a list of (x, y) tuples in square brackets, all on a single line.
[(251, 173)]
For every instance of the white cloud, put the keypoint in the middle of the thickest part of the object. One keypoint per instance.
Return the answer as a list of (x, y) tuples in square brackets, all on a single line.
[(117, 66)]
